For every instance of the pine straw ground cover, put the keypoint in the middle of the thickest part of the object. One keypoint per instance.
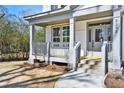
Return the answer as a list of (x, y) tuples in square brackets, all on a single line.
[(21, 74)]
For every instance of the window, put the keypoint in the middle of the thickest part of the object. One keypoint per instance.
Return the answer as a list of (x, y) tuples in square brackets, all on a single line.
[(98, 35), (56, 34), (62, 6), (89, 35), (60, 36), (66, 34), (109, 38), (54, 7)]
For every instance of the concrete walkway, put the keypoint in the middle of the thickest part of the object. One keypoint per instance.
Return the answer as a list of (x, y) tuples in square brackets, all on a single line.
[(79, 79), (82, 79)]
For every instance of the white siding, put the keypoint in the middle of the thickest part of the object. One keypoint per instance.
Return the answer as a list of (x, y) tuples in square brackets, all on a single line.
[(59, 52), (48, 34), (46, 8), (116, 40), (81, 35), (80, 32)]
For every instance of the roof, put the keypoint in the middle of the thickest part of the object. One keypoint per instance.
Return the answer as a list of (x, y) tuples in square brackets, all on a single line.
[(60, 10)]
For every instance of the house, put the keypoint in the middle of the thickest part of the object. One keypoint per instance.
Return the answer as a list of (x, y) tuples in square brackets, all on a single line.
[(73, 31)]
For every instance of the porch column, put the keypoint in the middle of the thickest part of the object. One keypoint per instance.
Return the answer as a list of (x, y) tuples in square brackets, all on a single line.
[(31, 59), (72, 32), (116, 39), (71, 43)]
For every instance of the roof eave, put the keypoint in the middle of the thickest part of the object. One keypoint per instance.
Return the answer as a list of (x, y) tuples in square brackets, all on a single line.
[(60, 10)]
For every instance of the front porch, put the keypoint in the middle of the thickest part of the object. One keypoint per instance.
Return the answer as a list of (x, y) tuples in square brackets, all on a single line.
[(67, 37)]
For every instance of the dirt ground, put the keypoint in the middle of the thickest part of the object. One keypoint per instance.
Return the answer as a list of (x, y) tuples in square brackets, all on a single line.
[(14, 75), (115, 79)]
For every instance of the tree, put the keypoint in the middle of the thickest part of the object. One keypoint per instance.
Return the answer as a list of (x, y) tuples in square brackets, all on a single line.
[(3, 11), (14, 34)]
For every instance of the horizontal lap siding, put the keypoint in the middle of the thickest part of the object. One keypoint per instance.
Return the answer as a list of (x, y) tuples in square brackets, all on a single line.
[(81, 27)]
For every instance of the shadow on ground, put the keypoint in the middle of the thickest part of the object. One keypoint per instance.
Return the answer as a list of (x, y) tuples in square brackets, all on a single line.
[(27, 77)]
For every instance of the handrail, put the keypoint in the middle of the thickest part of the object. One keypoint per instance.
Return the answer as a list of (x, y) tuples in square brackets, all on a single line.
[(76, 56), (77, 45), (39, 49), (105, 56)]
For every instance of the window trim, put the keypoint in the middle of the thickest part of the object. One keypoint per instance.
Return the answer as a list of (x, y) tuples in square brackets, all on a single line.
[(56, 36), (65, 36), (61, 36), (97, 34), (54, 7)]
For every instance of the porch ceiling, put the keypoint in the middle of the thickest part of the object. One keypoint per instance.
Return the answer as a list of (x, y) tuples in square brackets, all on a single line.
[(51, 19), (53, 22), (95, 15), (63, 17), (79, 18)]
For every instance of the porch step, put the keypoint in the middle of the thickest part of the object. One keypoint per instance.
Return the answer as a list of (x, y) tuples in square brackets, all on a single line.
[(89, 58), (87, 68), (89, 63), (95, 53)]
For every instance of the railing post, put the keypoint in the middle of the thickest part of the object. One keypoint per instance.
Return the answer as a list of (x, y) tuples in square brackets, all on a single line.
[(105, 57), (76, 56), (48, 53), (74, 61)]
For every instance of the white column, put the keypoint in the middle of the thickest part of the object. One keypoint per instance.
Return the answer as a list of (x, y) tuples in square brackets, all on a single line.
[(72, 32), (31, 59), (116, 39), (71, 43)]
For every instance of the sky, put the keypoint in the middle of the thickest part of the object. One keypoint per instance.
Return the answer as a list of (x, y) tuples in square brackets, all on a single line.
[(21, 10)]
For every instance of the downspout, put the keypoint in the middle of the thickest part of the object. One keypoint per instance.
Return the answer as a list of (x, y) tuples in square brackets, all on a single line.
[(121, 40)]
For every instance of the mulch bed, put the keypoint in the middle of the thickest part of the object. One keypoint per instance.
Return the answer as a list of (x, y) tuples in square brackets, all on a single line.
[(115, 79), (45, 66), (56, 68)]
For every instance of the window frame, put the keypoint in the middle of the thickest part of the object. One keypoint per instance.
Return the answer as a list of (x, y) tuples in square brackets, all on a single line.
[(65, 36), (98, 31), (60, 44), (56, 36), (54, 7)]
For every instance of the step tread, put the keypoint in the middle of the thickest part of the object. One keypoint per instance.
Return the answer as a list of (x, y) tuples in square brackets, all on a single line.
[(88, 58), (89, 68), (59, 56)]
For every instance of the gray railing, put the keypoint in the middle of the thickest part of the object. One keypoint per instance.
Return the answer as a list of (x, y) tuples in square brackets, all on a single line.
[(60, 45), (48, 52), (105, 58), (106, 55), (77, 49), (109, 51), (39, 49)]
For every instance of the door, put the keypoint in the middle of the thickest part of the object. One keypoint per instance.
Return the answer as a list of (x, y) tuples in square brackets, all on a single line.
[(98, 34), (95, 38)]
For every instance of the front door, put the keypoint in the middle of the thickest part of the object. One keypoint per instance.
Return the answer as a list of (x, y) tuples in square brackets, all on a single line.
[(98, 34)]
